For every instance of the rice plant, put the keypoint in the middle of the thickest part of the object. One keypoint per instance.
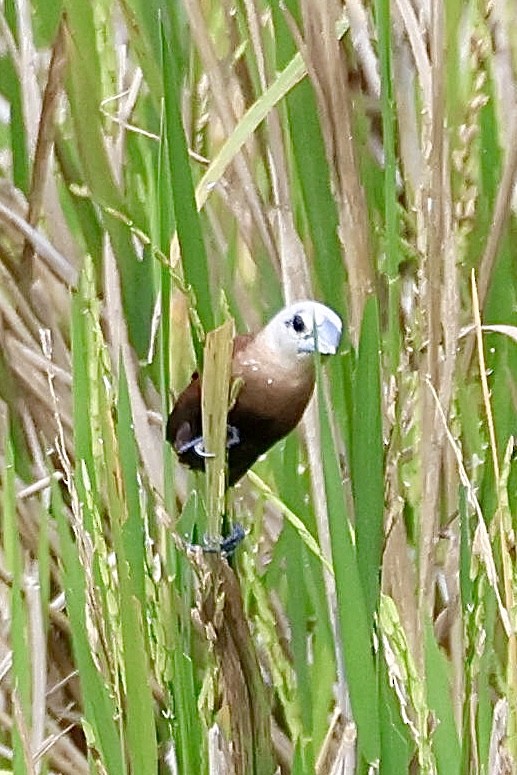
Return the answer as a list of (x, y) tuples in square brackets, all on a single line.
[(168, 169)]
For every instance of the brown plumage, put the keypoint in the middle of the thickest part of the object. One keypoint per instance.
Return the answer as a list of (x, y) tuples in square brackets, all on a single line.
[(277, 372)]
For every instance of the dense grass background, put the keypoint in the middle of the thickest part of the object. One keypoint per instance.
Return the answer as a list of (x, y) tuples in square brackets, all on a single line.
[(165, 166)]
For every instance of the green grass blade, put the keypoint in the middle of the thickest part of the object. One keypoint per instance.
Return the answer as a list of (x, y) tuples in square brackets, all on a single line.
[(445, 737), (21, 662), (85, 95), (396, 749), (391, 217), (298, 612), (82, 383), (99, 706), (368, 457), (128, 616), (133, 527), (311, 168), (188, 223), (14, 91), (353, 613)]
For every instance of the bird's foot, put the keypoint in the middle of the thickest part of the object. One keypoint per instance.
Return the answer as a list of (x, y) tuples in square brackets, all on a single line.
[(200, 450), (198, 443), (230, 543), (232, 436), (227, 545)]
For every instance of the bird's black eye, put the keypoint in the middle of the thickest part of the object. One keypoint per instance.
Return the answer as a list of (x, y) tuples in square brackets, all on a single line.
[(298, 324)]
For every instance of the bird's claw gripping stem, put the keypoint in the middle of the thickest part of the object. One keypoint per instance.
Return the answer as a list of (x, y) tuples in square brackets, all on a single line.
[(227, 545), (198, 444)]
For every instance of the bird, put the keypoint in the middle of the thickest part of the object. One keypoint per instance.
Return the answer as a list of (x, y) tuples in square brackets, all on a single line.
[(276, 371)]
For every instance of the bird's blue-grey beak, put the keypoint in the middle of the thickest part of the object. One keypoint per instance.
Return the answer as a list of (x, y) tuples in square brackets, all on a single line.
[(328, 335)]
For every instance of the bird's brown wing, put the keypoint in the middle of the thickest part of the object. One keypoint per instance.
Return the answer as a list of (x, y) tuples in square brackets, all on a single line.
[(184, 425)]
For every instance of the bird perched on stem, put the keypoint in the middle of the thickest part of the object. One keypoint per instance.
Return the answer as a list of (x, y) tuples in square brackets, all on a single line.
[(275, 369)]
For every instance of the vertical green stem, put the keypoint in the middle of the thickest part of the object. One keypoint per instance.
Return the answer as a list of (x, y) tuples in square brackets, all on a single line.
[(382, 12), (215, 393)]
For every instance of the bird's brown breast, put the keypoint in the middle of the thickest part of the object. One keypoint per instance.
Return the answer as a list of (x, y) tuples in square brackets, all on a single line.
[(270, 403), (273, 395)]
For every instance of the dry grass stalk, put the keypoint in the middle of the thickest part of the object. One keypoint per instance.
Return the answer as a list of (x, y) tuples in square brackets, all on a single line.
[(221, 94), (327, 68), (44, 146)]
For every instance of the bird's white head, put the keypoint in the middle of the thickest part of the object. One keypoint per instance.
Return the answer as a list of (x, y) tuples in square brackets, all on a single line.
[(303, 328)]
